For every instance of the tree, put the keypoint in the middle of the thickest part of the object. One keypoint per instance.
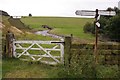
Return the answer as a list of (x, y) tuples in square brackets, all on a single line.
[(117, 10), (30, 14), (110, 9)]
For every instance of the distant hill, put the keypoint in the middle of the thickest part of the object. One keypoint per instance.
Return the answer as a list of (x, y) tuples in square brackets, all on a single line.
[(4, 13)]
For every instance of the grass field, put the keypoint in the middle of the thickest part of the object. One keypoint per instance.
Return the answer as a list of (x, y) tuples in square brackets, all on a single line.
[(60, 25)]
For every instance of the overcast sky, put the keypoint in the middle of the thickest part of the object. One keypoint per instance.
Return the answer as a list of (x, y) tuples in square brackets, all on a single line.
[(53, 7)]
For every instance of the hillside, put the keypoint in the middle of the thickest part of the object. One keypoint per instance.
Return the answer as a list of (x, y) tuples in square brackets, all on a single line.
[(20, 31), (61, 26), (7, 23), (17, 23), (6, 26)]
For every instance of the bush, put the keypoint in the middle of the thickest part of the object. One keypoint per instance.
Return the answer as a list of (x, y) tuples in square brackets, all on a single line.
[(103, 22), (89, 28), (110, 25), (113, 28)]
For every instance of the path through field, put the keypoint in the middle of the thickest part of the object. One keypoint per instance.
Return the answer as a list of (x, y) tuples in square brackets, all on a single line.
[(46, 33)]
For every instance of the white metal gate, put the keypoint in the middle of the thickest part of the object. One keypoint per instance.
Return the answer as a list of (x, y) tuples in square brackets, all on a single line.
[(24, 48)]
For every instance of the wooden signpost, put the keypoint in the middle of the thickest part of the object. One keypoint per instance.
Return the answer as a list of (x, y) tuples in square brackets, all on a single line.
[(97, 15)]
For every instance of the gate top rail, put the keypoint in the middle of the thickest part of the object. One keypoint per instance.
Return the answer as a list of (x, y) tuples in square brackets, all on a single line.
[(40, 42)]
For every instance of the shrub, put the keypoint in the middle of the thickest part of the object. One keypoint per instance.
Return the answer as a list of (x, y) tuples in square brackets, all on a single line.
[(89, 28), (113, 28), (81, 66)]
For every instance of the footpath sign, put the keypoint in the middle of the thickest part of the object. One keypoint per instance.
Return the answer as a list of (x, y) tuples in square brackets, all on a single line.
[(97, 15), (93, 13)]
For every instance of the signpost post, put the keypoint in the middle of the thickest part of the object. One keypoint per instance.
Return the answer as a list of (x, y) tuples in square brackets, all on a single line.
[(97, 14), (96, 36)]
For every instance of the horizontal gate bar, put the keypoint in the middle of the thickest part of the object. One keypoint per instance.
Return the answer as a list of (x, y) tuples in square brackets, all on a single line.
[(39, 42), (38, 55), (39, 49)]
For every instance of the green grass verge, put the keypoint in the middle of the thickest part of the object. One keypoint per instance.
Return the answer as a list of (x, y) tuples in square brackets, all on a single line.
[(14, 68)]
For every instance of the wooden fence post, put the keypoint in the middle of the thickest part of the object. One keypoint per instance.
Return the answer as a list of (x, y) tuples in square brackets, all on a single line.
[(67, 51), (9, 44)]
